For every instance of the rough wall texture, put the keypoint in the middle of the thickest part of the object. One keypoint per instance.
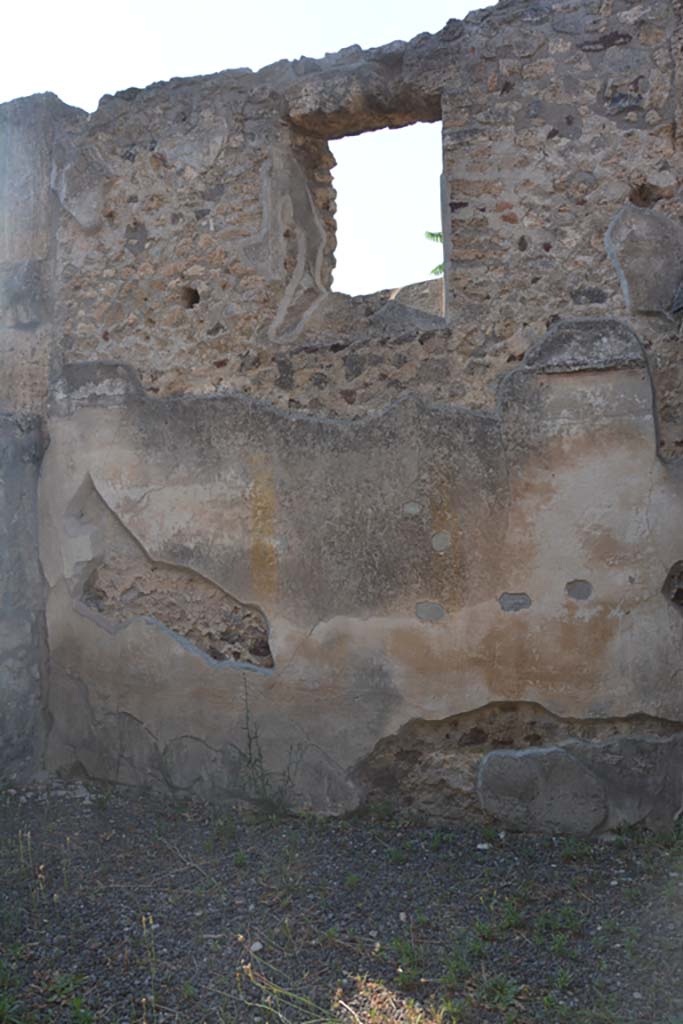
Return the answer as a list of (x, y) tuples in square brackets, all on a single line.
[(31, 131), (355, 513), (383, 554), (22, 629)]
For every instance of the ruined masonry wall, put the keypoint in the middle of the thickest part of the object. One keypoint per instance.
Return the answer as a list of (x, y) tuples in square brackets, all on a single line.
[(375, 527)]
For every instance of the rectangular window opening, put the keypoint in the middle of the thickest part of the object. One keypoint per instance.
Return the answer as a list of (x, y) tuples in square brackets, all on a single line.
[(389, 233)]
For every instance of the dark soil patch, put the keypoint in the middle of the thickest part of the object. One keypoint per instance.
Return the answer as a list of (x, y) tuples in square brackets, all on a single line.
[(122, 907)]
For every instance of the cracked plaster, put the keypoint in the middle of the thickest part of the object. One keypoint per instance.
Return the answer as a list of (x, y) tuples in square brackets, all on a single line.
[(318, 467)]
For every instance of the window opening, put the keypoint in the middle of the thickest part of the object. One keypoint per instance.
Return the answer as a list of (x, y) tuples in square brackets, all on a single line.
[(389, 233)]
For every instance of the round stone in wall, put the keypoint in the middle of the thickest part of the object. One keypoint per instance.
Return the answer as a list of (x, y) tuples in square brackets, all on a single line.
[(579, 590), (514, 602), (429, 611), (441, 541)]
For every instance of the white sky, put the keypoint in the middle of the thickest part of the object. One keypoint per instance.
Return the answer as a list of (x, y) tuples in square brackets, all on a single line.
[(388, 195), (81, 49)]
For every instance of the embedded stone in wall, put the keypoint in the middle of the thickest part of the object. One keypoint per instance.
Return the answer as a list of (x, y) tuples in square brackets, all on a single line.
[(581, 787), (573, 346), (430, 769), (579, 590), (514, 602), (427, 296), (647, 250), (544, 790)]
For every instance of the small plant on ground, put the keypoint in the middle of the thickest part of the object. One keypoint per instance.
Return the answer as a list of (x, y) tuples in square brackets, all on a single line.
[(574, 849), (499, 991), (449, 1012), (275, 1000), (552, 922), (486, 930), (66, 862), (10, 1008), (511, 916), (223, 832), (559, 944), (25, 853), (10, 1003), (376, 810), (409, 969), (490, 834), (270, 791), (397, 855), (436, 842), (151, 956), (458, 970), (63, 986), (80, 1013), (563, 979)]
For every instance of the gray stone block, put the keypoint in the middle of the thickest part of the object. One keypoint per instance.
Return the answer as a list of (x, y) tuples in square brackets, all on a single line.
[(646, 248), (582, 787), (541, 790), (586, 344)]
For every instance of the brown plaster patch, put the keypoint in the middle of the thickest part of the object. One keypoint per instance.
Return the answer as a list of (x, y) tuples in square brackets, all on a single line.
[(263, 554)]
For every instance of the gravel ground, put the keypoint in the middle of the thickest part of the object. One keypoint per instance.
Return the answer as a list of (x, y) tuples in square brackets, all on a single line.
[(126, 908)]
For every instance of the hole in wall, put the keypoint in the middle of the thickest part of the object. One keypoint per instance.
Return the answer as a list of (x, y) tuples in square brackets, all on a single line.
[(646, 194), (673, 585), (388, 198), (579, 590), (189, 297), (514, 602)]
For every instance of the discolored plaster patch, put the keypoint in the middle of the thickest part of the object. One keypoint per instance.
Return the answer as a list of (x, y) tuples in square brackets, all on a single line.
[(263, 553)]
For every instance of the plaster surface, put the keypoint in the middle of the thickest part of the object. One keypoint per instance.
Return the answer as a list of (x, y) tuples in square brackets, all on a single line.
[(318, 533)]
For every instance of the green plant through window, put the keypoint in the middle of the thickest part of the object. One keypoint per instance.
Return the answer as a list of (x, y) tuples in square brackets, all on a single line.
[(436, 236)]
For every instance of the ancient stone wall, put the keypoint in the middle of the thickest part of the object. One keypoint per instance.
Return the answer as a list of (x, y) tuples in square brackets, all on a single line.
[(23, 661), (337, 524), (30, 134)]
